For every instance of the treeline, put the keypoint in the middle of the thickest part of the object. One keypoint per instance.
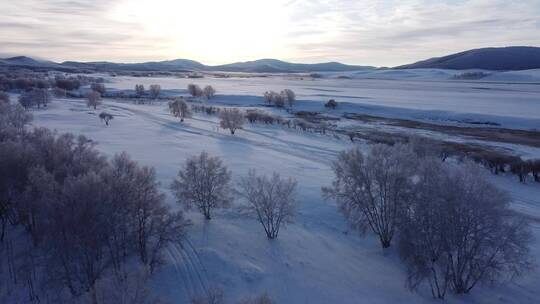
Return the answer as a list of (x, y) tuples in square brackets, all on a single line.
[(69, 217), (20, 82)]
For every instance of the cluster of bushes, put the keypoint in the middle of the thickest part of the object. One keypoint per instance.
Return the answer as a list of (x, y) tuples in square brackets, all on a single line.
[(281, 99), (525, 168), (22, 80), (217, 296), (470, 75), (258, 116), (207, 92), (201, 108), (454, 229), (498, 162), (35, 98), (24, 84), (70, 218)]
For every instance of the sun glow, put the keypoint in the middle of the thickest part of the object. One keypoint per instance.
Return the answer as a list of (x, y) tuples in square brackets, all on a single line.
[(214, 31)]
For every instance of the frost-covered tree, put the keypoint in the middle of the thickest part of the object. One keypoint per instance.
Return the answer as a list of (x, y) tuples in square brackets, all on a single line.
[(180, 108), (231, 119), (4, 97), (42, 97), (209, 92), (139, 90), (373, 191), (269, 96), (289, 97), (93, 99), (155, 90), (203, 182), (460, 232), (98, 87), (35, 97), (13, 118), (194, 90), (270, 199), (106, 117)]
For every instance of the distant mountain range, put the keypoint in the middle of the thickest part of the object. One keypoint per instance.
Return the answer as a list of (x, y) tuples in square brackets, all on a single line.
[(506, 58), (496, 59), (257, 66)]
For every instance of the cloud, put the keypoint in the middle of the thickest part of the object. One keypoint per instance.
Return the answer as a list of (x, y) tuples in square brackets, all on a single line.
[(377, 32)]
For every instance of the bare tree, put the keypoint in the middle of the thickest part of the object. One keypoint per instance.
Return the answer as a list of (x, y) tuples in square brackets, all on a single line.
[(373, 191), (93, 99), (209, 92), (106, 117), (195, 90), (460, 231), (231, 119), (289, 97), (203, 182), (179, 108), (270, 199), (139, 90), (155, 90)]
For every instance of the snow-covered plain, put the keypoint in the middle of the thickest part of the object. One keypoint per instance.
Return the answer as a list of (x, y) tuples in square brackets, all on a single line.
[(507, 101), (317, 259)]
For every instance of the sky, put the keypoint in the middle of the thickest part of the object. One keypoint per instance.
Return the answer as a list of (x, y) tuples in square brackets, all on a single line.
[(369, 32)]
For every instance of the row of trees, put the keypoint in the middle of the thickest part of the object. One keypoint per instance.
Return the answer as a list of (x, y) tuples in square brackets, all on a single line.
[(84, 216), (455, 229), (284, 98), (204, 183)]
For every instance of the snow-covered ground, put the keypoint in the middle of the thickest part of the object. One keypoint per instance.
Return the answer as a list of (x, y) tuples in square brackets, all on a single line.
[(317, 259), (511, 104)]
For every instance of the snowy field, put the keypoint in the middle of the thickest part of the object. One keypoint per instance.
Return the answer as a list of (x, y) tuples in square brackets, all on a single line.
[(502, 99), (317, 259)]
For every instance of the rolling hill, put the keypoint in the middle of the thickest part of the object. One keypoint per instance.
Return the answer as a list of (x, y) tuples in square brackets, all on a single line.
[(495, 59)]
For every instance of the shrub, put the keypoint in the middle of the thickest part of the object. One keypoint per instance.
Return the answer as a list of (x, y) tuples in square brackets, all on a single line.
[(331, 104), (231, 119), (271, 200), (106, 117), (93, 99)]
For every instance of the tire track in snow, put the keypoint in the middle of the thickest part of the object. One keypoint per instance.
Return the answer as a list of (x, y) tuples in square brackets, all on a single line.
[(314, 153), (187, 269)]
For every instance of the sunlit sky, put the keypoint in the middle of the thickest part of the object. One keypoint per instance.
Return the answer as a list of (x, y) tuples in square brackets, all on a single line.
[(370, 32)]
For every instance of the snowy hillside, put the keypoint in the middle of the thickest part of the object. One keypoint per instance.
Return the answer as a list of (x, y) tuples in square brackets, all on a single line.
[(317, 259)]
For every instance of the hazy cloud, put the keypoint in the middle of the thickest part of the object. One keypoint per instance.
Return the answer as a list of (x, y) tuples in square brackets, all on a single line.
[(378, 32)]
